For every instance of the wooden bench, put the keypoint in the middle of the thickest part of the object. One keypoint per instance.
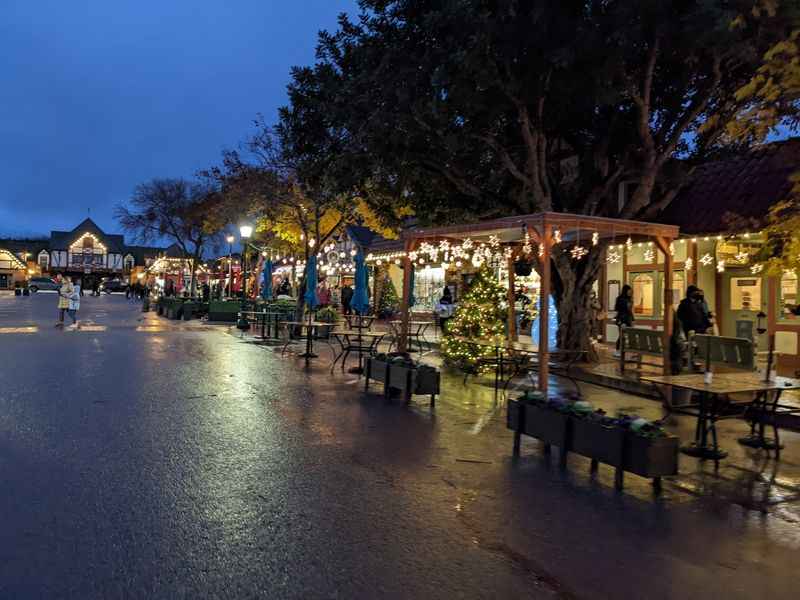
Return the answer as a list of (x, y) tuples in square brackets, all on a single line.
[(642, 342), (730, 352)]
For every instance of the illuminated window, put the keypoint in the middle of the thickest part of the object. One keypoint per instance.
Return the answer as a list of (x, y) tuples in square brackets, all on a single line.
[(44, 260), (129, 262), (788, 295), (644, 294), (746, 293)]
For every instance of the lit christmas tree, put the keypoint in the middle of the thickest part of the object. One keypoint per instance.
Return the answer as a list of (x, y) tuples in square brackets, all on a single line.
[(552, 326), (480, 315), (389, 300)]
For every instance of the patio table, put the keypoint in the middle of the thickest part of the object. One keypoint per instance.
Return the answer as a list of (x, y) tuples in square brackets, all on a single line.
[(309, 328), (715, 396), (416, 331), (354, 341), (359, 321)]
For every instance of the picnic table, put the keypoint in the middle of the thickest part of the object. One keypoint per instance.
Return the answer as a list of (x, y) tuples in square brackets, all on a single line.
[(715, 398)]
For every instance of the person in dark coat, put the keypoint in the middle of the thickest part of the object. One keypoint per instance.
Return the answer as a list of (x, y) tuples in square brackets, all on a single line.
[(347, 297), (206, 292), (692, 312), (624, 309)]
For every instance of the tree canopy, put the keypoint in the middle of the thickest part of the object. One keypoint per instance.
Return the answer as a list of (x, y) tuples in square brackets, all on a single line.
[(475, 108)]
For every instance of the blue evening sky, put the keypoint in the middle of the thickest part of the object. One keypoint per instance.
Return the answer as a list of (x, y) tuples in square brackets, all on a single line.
[(99, 95)]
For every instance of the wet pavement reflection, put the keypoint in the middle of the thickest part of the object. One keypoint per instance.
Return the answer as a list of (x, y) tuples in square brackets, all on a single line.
[(154, 459)]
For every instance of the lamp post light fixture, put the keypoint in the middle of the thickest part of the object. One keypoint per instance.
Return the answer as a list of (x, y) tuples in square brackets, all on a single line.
[(245, 231)]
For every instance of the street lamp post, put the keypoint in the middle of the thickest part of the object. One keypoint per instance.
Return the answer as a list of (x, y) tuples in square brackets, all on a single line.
[(230, 239), (245, 231)]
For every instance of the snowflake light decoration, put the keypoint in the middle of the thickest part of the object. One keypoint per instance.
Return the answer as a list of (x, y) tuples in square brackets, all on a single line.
[(755, 269), (578, 252), (613, 257), (494, 241), (649, 255), (507, 252), (706, 259), (541, 250), (467, 244), (526, 246), (720, 266), (557, 236), (629, 243), (688, 263), (672, 248), (595, 238), (742, 257), (413, 256)]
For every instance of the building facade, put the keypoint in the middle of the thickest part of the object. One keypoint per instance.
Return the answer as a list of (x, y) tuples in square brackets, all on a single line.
[(86, 252)]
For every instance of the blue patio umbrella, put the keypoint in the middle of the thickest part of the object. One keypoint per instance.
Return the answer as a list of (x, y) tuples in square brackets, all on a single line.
[(360, 301), (266, 287), (311, 298)]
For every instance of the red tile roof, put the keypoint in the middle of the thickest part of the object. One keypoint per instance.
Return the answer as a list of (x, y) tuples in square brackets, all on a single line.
[(744, 186)]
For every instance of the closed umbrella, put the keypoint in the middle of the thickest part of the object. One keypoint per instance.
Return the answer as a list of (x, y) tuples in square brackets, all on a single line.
[(312, 300), (360, 301), (266, 287)]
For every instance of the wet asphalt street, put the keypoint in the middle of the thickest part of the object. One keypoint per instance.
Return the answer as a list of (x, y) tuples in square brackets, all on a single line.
[(144, 458)]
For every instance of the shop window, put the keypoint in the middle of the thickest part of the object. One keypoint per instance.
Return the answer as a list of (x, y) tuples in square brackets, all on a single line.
[(746, 293), (128, 264), (428, 285), (644, 294), (788, 295)]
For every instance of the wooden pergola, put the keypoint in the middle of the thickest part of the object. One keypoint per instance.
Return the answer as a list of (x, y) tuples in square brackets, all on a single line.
[(545, 229)]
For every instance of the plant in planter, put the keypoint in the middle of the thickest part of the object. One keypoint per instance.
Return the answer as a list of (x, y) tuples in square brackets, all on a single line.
[(328, 314)]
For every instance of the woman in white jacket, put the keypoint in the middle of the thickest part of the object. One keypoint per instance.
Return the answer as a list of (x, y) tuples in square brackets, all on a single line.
[(74, 304)]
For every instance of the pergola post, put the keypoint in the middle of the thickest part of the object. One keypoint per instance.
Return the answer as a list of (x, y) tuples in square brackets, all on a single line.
[(405, 303), (544, 306), (663, 245), (511, 299)]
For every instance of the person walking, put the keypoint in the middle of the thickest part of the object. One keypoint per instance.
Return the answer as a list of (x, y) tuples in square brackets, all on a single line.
[(347, 297), (74, 305), (693, 313), (64, 294), (624, 309)]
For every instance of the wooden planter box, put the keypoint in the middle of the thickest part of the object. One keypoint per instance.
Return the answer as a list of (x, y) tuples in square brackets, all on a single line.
[(597, 441), (545, 424), (413, 381), (377, 370), (651, 457)]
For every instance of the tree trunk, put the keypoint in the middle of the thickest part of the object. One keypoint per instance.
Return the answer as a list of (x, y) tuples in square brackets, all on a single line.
[(193, 267), (572, 288)]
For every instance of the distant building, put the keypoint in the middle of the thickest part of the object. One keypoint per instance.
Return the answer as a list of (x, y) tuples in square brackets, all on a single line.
[(86, 251)]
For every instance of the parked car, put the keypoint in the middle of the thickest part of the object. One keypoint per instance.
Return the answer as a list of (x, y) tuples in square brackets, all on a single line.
[(109, 285), (36, 284)]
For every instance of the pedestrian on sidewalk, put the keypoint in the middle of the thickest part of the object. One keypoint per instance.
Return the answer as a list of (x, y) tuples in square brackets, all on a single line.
[(347, 298), (624, 309), (74, 305), (64, 294)]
